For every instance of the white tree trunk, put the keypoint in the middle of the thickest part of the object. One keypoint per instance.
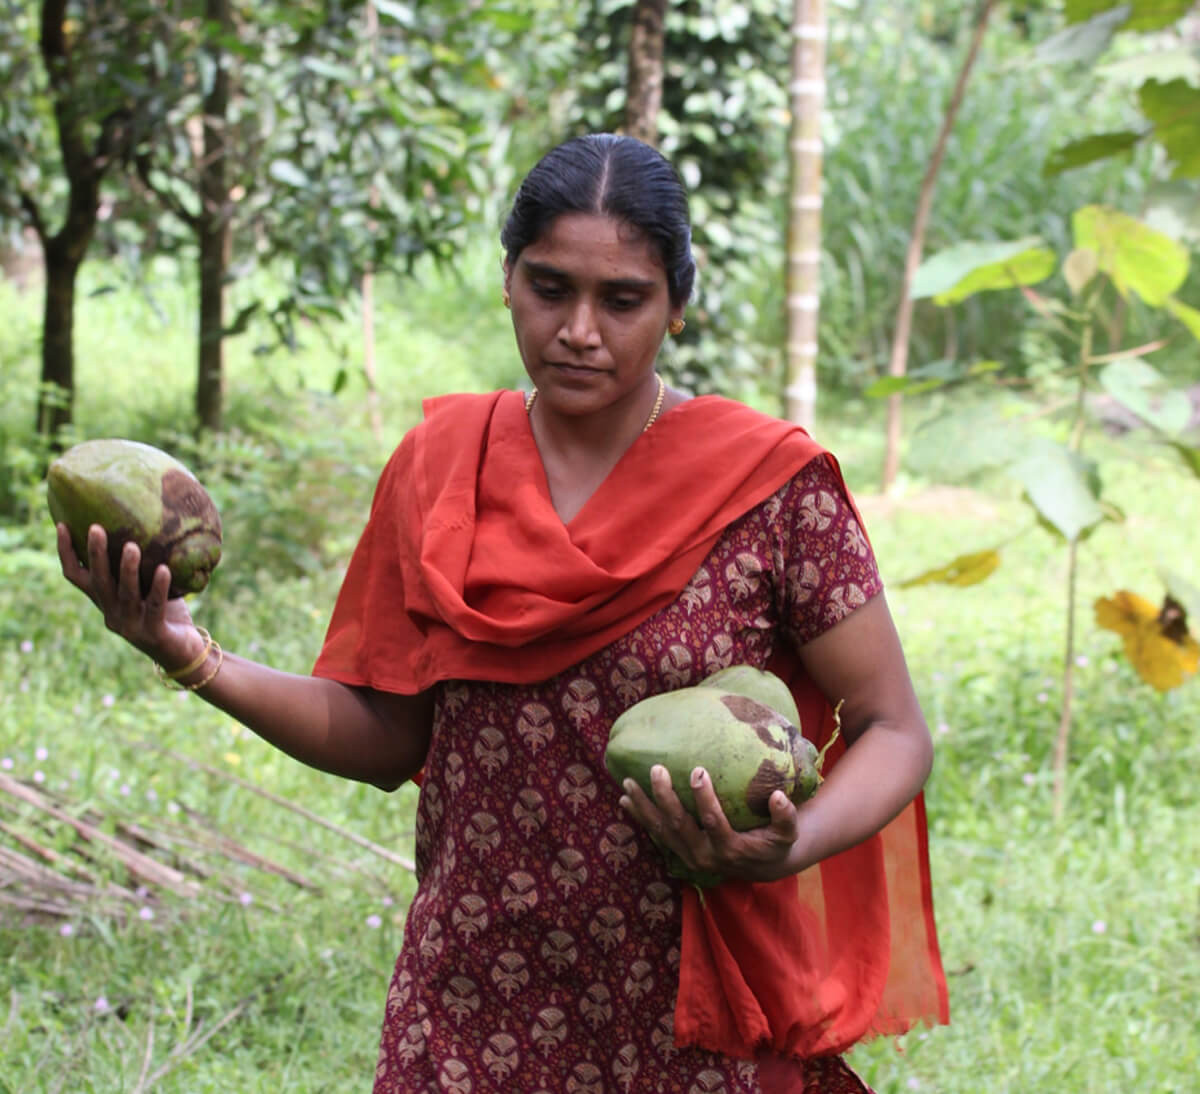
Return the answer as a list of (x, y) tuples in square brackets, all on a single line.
[(807, 98)]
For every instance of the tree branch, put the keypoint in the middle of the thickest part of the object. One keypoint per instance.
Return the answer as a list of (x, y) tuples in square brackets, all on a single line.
[(173, 204), (34, 215)]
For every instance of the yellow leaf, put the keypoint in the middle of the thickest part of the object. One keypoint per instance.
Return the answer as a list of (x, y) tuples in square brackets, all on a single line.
[(1156, 641), (964, 570), (232, 758), (1124, 613)]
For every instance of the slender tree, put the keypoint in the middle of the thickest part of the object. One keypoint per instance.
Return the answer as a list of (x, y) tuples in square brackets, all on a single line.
[(898, 363), (644, 87), (213, 220), (807, 98)]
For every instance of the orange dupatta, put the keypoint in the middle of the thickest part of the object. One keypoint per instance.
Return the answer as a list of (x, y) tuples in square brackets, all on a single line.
[(465, 571)]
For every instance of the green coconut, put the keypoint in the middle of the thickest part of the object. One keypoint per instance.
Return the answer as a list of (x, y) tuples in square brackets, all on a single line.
[(758, 684), (748, 749), (141, 494)]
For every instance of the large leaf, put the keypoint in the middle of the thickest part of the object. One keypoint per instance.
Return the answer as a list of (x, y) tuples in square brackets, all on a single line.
[(1098, 146), (967, 268), (963, 443), (1143, 14), (1155, 64), (1139, 386), (1083, 41), (1174, 108), (1135, 256), (1059, 484)]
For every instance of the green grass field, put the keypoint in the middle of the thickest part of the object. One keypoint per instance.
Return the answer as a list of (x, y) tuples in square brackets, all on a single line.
[(1072, 948)]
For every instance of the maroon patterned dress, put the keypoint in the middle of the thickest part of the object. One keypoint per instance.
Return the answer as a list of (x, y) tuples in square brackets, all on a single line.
[(541, 951)]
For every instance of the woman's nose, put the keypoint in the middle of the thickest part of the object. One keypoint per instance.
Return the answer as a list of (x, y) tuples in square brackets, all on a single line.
[(580, 329)]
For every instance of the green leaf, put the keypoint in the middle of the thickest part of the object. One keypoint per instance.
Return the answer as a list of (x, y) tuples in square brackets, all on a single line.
[(1058, 484), (1083, 41), (1138, 385), (288, 173), (1188, 316), (1135, 256), (967, 268), (391, 9), (1098, 146), (955, 446), (1174, 108), (1155, 64), (1143, 14), (342, 74), (1190, 455), (1173, 207), (900, 385)]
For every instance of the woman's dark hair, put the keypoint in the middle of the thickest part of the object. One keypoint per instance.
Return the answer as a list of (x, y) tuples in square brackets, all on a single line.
[(608, 175)]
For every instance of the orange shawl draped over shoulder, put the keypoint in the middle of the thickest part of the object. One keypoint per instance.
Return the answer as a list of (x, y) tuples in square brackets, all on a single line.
[(465, 571)]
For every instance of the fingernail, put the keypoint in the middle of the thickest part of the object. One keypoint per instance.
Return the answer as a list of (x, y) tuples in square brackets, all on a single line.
[(657, 771), (628, 785), (698, 777)]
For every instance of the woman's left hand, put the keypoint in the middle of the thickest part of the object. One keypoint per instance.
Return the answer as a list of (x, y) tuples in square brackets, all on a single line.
[(711, 846)]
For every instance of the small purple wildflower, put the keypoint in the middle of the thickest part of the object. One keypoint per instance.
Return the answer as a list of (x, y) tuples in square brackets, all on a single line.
[(373, 921), (146, 914), (27, 646), (66, 930), (108, 700)]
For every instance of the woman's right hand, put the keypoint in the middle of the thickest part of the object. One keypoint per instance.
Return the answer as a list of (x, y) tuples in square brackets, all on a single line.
[(161, 628)]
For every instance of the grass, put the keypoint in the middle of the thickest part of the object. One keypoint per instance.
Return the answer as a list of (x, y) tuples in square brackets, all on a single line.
[(1073, 950)]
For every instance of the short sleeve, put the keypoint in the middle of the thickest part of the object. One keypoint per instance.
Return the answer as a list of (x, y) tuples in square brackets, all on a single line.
[(828, 566)]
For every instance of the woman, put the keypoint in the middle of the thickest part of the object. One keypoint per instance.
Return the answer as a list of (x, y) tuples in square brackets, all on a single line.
[(531, 568)]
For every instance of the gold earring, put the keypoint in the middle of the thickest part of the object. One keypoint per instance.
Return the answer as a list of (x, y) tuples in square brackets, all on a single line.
[(676, 326), (507, 299)]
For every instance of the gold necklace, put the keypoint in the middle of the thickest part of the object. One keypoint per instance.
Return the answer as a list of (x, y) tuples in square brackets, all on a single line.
[(531, 398)]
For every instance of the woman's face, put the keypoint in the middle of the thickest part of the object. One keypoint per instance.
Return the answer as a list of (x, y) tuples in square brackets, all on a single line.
[(590, 306)]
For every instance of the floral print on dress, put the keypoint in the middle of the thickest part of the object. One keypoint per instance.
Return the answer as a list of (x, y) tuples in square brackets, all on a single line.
[(541, 952)]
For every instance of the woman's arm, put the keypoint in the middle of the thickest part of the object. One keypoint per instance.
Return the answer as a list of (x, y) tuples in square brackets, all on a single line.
[(858, 662), (359, 733)]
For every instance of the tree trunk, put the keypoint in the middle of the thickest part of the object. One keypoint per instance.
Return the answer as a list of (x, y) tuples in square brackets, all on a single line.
[(213, 230), (64, 251), (368, 277), (898, 362), (807, 97), (56, 395), (643, 95)]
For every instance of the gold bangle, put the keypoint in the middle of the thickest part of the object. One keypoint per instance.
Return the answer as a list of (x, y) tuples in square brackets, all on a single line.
[(191, 666), (212, 675), (172, 684)]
